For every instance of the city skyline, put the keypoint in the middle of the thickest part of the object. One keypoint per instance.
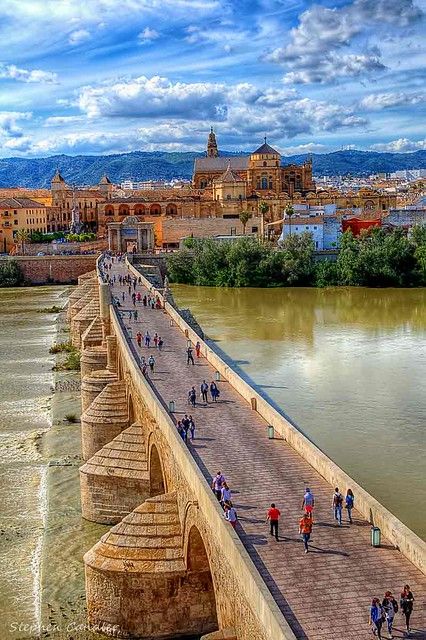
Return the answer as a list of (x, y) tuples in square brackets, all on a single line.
[(91, 77)]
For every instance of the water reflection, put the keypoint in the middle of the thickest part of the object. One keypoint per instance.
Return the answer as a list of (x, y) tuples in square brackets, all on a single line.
[(347, 365)]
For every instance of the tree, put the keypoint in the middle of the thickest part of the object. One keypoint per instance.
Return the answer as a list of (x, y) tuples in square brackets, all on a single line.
[(263, 209), (289, 211), (298, 259), (244, 218), (10, 274), (23, 236)]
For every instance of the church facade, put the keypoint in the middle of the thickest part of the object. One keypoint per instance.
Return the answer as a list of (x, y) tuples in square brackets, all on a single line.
[(262, 171)]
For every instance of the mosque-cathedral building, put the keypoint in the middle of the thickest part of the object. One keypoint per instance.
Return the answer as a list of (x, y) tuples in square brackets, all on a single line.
[(222, 186)]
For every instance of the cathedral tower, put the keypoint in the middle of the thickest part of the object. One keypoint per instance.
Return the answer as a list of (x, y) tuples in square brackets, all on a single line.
[(212, 151)]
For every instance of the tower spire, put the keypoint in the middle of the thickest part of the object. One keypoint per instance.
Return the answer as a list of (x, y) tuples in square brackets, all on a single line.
[(212, 150)]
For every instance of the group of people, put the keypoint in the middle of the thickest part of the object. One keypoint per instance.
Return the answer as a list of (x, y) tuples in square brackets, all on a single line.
[(384, 611), (224, 496), (186, 426), (204, 391)]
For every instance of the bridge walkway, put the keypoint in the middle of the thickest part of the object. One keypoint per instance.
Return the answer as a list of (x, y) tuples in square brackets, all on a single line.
[(323, 594)]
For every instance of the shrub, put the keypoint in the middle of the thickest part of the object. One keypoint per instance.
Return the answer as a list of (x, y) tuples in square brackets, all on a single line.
[(71, 417), (10, 274), (62, 347)]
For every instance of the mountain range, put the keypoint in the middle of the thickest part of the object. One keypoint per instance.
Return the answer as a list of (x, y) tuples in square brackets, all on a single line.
[(161, 165)]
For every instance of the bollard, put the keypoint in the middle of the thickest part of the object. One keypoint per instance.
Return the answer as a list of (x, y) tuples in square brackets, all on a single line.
[(375, 536), (217, 376), (270, 432), (172, 406)]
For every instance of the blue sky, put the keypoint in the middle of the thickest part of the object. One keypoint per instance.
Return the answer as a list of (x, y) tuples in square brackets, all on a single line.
[(106, 76)]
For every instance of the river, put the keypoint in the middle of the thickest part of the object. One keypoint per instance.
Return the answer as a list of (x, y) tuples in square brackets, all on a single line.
[(42, 535), (347, 365)]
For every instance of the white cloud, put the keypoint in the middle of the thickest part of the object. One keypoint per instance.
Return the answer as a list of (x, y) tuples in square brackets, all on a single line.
[(78, 36), (379, 101), (402, 145), (148, 35), (313, 53), (8, 123), (12, 72), (155, 97), (60, 121), (310, 147)]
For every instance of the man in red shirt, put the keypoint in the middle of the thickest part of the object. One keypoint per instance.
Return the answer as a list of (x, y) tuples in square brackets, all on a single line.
[(273, 516)]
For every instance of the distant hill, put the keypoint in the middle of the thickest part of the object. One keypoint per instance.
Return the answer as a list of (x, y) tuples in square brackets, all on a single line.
[(161, 165)]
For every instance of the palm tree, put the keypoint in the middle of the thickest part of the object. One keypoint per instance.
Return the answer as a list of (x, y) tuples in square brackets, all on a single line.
[(263, 208), (22, 235), (289, 211), (244, 218)]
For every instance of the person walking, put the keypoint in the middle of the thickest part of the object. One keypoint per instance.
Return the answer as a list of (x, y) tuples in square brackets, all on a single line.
[(139, 339), (349, 503), (155, 339), (189, 356), (198, 349), (192, 427), (305, 529), (308, 502), (390, 607), (407, 602), (204, 389), (139, 297), (160, 343), (273, 515), (231, 515), (336, 504), (180, 429), (123, 296), (214, 391), (217, 484), (147, 338), (225, 495), (135, 315), (144, 301), (192, 396), (185, 425), (376, 617), (151, 362)]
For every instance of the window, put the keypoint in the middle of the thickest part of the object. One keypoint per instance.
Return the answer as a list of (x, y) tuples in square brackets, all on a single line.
[(15, 222), (264, 183), (254, 229), (228, 197), (265, 164), (15, 213), (315, 228)]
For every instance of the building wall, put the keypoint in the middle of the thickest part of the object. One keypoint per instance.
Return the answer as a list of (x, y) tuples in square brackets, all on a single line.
[(55, 269), (305, 225), (173, 230), (406, 217), (15, 219)]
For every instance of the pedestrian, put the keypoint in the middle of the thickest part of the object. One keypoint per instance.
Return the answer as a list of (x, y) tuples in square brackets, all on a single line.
[(198, 349), (189, 356), (139, 338), (147, 338), (305, 529), (155, 339), (130, 289), (214, 391), (407, 603), (143, 361), (390, 607), (185, 425), (273, 515), (152, 304), (308, 502), (204, 389), (160, 343), (123, 296), (144, 301), (139, 297), (134, 298), (225, 495), (192, 427), (217, 483), (192, 396), (376, 617), (144, 369), (151, 363), (135, 315), (349, 503), (336, 504), (180, 430), (231, 515)]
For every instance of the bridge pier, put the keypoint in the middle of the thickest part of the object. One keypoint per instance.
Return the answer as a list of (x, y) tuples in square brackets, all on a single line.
[(104, 419), (116, 479), (139, 583)]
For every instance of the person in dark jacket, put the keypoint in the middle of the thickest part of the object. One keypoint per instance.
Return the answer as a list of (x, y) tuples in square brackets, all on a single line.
[(407, 603)]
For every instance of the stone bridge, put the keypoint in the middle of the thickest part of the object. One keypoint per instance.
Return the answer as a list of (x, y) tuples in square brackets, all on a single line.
[(171, 566)]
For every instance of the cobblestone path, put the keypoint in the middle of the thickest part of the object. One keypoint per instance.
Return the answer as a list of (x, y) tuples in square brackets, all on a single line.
[(326, 593)]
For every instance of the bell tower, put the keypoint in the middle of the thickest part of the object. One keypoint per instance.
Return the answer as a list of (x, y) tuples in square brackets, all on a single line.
[(212, 151)]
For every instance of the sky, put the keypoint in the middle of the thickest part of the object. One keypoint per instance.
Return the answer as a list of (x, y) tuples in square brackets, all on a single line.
[(109, 76)]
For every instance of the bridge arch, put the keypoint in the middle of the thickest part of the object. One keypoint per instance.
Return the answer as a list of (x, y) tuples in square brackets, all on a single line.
[(157, 481), (131, 409), (200, 577)]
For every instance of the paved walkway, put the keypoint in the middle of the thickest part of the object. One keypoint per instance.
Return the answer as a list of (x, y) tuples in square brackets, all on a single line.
[(326, 593)]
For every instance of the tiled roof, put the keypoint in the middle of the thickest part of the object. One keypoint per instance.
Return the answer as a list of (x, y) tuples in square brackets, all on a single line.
[(229, 176), (238, 163), (20, 203), (266, 149)]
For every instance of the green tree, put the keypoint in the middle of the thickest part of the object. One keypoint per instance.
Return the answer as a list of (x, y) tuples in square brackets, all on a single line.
[(298, 259), (180, 267), (22, 236), (10, 274), (289, 212), (263, 210), (244, 218)]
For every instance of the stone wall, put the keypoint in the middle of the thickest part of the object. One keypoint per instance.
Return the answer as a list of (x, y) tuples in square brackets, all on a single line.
[(174, 229), (55, 269), (410, 545)]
